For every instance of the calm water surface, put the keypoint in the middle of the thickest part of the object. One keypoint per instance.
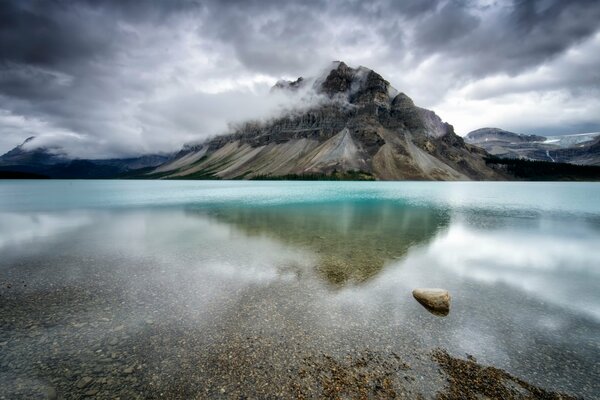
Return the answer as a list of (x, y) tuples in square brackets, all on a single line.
[(201, 289)]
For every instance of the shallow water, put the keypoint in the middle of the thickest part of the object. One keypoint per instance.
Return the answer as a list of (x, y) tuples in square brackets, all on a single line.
[(195, 289)]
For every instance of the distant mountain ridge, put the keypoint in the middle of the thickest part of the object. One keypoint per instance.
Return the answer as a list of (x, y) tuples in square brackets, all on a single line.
[(582, 149), (360, 128), (497, 134), (20, 155), (52, 162)]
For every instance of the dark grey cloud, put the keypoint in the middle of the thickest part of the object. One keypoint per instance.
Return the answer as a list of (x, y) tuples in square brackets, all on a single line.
[(118, 77), (451, 22), (46, 34), (513, 38)]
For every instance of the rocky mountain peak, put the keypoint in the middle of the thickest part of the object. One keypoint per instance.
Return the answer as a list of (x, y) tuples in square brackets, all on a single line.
[(359, 86), (372, 88), (350, 123), (289, 85), (339, 80)]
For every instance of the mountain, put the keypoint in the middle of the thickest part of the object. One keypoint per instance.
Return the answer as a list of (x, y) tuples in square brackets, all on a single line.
[(499, 135), (582, 149), (28, 160), (27, 154), (355, 126)]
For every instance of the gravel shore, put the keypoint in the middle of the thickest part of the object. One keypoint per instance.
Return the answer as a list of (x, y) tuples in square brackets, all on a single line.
[(74, 344)]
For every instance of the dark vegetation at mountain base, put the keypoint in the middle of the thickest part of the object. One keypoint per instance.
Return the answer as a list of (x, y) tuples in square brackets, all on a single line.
[(335, 176), (141, 174), (76, 169), (21, 175), (544, 170)]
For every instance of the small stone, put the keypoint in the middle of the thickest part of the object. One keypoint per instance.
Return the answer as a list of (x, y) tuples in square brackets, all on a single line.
[(83, 382), (437, 301), (91, 392), (51, 393), (128, 370)]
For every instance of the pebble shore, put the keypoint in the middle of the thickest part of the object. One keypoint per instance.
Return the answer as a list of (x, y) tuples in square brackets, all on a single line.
[(76, 344)]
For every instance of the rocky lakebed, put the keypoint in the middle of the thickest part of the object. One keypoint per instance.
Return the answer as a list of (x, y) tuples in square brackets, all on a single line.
[(306, 290)]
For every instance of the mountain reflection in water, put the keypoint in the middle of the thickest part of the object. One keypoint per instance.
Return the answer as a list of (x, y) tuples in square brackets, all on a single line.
[(352, 241)]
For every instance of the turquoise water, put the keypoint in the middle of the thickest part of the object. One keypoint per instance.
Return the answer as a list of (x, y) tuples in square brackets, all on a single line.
[(171, 278), (579, 197)]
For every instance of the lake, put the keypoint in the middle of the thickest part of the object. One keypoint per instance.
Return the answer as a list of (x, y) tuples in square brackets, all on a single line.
[(235, 289)]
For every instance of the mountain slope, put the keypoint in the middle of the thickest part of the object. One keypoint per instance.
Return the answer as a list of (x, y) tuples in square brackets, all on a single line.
[(583, 149), (357, 123)]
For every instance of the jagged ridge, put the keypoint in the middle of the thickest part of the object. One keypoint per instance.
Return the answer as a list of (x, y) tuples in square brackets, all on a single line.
[(363, 124), (583, 149)]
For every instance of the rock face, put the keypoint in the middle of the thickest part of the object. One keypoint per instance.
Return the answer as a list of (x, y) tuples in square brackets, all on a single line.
[(583, 149), (436, 301), (357, 126)]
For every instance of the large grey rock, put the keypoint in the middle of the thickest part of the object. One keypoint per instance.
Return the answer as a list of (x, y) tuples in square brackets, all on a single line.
[(436, 301)]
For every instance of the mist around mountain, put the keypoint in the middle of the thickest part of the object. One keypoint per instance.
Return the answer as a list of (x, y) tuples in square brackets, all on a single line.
[(28, 161), (351, 124), (581, 149)]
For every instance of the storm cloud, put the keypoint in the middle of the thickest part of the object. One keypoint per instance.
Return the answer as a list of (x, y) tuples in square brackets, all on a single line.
[(110, 78)]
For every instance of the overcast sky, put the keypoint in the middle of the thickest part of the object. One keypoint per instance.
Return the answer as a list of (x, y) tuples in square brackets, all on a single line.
[(124, 77)]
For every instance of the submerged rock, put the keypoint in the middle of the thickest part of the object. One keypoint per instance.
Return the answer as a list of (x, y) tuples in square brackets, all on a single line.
[(50, 393), (437, 301), (84, 382)]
